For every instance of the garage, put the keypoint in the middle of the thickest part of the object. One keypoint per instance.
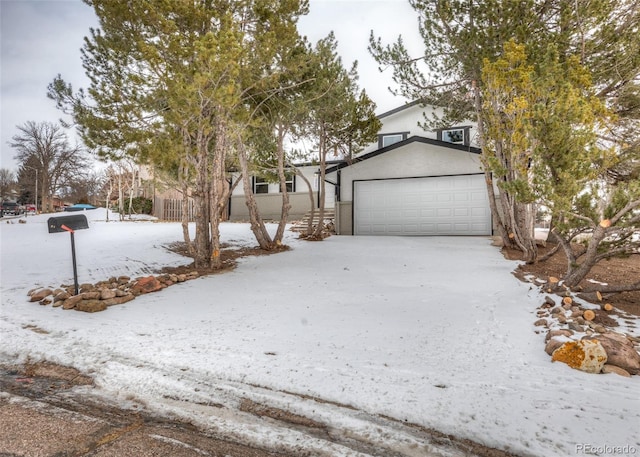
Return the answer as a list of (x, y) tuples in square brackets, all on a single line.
[(440, 205)]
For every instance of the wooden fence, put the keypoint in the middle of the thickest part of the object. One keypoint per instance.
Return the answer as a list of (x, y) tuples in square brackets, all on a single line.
[(170, 209)]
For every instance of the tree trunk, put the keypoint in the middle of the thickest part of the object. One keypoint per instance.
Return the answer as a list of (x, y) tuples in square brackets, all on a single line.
[(284, 213), (201, 201), (317, 233), (257, 224), (497, 216), (183, 178), (219, 191), (577, 271)]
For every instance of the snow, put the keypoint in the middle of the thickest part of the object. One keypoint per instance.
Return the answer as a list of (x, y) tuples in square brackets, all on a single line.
[(359, 333)]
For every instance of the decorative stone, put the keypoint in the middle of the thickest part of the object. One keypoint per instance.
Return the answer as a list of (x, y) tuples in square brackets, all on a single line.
[(119, 300), (182, 278), (106, 294), (71, 302), (38, 295), (620, 351), (93, 295), (549, 301), (87, 287), (91, 306), (607, 368), (600, 328), (540, 322), (61, 296), (575, 327), (45, 301), (556, 310), (553, 344), (562, 318), (146, 285), (123, 279), (560, 332), (584, 355)]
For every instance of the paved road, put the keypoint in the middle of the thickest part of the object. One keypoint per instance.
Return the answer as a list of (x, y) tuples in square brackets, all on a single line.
[(51, 411), (42, 416)]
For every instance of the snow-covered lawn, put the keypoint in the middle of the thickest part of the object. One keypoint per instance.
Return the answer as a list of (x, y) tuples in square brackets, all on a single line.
[(434, 331)]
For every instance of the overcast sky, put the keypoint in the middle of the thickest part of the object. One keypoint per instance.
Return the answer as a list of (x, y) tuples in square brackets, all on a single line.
[(41, 38)]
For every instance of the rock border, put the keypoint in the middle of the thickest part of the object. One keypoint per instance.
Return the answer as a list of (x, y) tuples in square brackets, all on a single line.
[(575, 331), (97, 297)]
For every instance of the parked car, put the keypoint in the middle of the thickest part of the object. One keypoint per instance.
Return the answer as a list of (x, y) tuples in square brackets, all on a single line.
[(79, 207), (11, 208)]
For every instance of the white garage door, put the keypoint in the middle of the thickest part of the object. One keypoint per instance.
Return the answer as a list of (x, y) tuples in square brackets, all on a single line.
[(443, 205)]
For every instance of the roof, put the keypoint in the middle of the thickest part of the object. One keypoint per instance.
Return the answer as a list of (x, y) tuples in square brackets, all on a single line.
[(398, 109), (400, 144)]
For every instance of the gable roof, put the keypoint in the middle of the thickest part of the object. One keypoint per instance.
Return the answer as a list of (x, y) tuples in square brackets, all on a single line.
[(400, 144), (398, 109)]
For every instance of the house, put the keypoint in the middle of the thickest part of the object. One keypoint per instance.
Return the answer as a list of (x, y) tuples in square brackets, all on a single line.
[(269, 198), (408, 182), (413, 182)]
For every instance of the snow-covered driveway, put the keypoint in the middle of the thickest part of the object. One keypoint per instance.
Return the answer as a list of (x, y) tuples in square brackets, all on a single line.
[(432, 331)]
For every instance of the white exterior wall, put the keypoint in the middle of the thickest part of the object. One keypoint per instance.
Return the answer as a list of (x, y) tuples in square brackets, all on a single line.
[(406, 120), (414, 160)]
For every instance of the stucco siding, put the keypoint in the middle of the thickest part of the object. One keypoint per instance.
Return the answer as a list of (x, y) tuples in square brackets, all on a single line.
[(413, 160), (270, 206)]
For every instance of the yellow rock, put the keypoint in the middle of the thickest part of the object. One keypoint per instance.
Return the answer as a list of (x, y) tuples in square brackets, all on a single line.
[(584, 355)]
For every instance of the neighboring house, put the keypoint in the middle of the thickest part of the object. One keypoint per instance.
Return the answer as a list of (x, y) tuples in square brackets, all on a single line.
[(413, 182)]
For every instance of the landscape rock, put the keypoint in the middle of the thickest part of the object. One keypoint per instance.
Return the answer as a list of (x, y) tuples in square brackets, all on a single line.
[(93, 295), (560, 332), (60, 296), (575, 327), (39, 294), (71, 302), (540, 323), (87, 287), (45, 301), (119, 300), (146, 285), (607, 368), (91, 306), (584, 355), (106, 294), (553, 344), (620, 351)]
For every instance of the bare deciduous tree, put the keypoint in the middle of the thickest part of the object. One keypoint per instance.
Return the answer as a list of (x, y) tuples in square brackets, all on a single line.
[(45, 147)]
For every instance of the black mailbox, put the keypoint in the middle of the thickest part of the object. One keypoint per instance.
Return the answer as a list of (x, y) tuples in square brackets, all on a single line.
[(67, 223)]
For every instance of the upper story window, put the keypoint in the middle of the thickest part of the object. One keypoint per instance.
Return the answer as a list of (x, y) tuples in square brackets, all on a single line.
[(387, 139), (455, 135)]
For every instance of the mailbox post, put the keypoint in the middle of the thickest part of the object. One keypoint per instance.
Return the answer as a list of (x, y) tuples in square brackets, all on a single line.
[(69, 224)]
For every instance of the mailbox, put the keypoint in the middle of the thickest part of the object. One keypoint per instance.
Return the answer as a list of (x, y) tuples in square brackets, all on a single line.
[(67, 223)]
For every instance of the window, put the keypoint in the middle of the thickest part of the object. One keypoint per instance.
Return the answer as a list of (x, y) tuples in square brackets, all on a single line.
[(291, 182), (260, 185), (387, 139), (453, 136)]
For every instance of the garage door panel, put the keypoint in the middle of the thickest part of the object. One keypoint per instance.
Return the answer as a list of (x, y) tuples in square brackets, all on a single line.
[(447, 205)]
